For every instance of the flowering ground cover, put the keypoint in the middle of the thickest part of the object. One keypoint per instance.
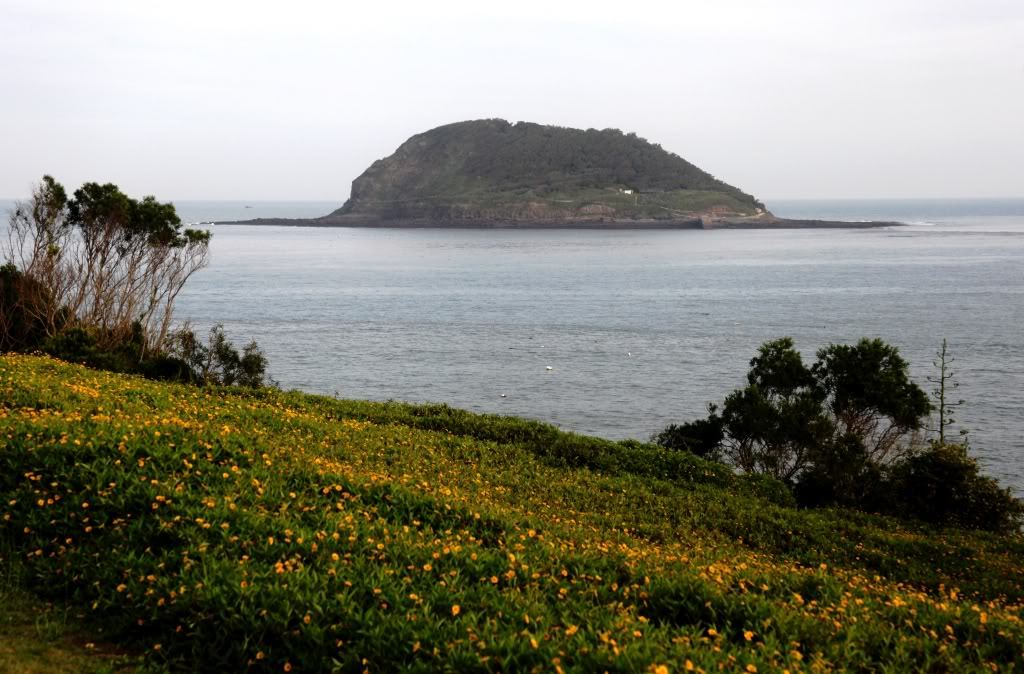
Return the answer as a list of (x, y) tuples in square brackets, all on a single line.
[(224, 530)]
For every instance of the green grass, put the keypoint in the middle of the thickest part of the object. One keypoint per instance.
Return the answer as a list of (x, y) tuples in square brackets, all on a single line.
[(221, 530), (39, 637)]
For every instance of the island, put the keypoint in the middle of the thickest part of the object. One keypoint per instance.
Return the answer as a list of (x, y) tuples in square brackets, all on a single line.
[(492, 173)]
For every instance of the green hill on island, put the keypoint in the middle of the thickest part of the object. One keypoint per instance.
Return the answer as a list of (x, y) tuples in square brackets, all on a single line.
[(489, 170), (227, 529)]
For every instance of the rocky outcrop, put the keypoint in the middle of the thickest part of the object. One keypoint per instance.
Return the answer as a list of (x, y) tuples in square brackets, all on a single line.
[(490, 173), (488, 170)]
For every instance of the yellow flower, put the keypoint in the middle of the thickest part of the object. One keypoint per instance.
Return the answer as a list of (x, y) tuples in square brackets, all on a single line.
[(661, 669), (748, 635), (456, 609)]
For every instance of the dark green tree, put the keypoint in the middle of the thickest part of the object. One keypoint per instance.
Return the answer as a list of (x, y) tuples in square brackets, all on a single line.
[(773, 425), (869, 395), (845, 432), (854, 411), (218, 362)]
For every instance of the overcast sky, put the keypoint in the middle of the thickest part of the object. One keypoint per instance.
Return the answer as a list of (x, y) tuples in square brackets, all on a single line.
[(203, 99)]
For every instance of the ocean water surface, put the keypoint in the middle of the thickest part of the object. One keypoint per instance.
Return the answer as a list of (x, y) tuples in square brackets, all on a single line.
[(640, 328)]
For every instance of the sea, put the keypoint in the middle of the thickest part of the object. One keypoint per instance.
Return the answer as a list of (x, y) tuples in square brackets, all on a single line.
[(620, 333)]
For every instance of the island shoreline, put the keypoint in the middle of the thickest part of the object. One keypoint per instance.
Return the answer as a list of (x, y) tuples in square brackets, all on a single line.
[(697, 223)]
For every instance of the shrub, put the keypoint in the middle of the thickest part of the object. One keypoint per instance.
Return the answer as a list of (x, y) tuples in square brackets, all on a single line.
[(218, 361), (942, 485), (841, 473), (702, 437), (93, 280), (82, 345)]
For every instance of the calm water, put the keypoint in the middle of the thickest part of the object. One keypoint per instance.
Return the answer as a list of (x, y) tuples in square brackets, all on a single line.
[(641, 328)]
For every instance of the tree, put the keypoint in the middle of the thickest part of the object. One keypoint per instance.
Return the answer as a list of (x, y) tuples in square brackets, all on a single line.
[(102, 261), (840, 472), (38, 235), (773, 425), (869, 395), (844, 432), (945, 384), (854, 410)]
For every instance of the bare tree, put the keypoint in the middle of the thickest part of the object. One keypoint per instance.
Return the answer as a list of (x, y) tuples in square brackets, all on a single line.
[(945, 385), (102, 260)]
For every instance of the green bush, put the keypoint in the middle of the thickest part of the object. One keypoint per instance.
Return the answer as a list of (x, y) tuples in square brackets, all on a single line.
[(842, 473), (942, 485), (702, 437), (93, 279), (218, 362), (83, 345)]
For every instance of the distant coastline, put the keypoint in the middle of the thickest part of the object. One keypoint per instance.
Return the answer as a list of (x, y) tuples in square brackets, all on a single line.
[(704, 223)]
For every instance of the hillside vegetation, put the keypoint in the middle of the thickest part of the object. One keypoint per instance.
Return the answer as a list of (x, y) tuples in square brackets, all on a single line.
[(493, 169), (222, 529)]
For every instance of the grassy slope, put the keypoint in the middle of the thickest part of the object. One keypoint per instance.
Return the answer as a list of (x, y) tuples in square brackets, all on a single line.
[(221, 529)]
